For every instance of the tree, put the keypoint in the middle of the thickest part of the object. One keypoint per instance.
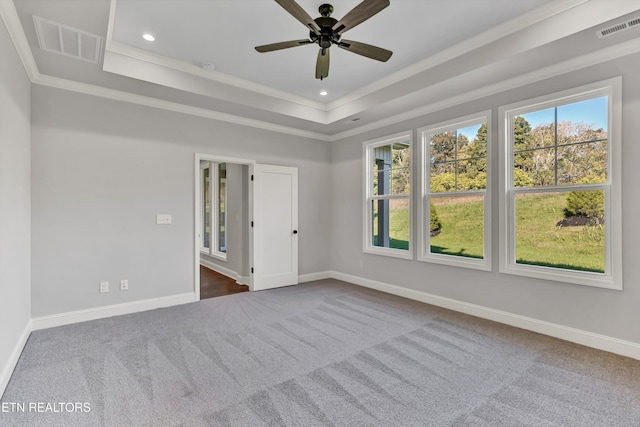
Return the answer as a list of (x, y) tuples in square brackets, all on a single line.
[(476, 152), (401, 169), (442, 149), (522, 141)]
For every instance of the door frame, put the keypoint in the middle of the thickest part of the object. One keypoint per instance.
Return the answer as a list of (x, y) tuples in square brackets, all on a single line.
[(197, 203)]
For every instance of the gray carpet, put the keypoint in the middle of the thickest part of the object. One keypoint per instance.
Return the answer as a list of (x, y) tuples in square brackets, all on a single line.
[(322, 353)]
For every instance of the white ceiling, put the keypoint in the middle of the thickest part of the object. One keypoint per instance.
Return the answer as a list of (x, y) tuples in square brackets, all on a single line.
[(225, 32), (443, 50)]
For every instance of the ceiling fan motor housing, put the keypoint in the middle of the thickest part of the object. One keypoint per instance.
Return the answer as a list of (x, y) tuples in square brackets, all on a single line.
[(326, 37)]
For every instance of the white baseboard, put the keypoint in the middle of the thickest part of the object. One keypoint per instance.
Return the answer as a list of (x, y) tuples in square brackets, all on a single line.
[(51, 321), (219, 269), (243, 280), (310, 277), (240, 280), (7, 369), (589, 339)]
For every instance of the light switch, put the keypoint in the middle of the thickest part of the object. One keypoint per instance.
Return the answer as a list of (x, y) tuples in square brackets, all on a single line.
[(163, 219)]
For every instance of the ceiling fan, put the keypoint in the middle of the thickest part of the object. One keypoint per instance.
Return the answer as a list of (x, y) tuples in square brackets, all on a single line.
[(326, 31)]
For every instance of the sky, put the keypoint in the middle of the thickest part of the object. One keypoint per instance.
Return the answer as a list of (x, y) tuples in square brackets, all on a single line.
[(592, 111)]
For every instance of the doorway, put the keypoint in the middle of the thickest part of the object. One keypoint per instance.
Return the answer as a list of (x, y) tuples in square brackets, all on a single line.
[(246, 228), (222, 261)]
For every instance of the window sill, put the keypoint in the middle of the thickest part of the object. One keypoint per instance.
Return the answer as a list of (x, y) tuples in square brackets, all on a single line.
[(456, 261), (584, 278), (394, 253), (219, 257)]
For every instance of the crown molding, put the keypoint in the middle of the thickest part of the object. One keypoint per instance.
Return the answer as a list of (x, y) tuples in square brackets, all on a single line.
[(118, 95), (9, 16), (216, 76), (12, 22)]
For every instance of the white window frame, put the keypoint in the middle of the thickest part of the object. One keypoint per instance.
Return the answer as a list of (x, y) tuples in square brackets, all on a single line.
[(214, 176), (368, 146), (612, 277), (424, 212)]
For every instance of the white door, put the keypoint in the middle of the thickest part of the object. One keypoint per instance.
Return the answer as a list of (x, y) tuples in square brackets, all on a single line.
[(275, 227)]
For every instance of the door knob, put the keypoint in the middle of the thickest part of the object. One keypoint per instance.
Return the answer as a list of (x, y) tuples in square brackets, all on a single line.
[(295, 231)]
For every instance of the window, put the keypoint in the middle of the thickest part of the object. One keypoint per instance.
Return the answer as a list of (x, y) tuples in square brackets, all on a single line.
[(561, 159), (455, 214), (388, 196), (214, 214)]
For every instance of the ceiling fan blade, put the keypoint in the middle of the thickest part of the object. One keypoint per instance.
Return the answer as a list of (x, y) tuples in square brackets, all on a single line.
[(322, 65), (299, 13), (373, 52), (359, 14), (282, 45)]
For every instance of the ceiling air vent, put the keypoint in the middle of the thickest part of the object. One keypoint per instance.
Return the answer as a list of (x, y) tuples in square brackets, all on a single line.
[(622, 26), (68, 41)]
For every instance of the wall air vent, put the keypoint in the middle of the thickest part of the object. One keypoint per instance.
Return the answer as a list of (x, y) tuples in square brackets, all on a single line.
[(68, 41), (622, 26)]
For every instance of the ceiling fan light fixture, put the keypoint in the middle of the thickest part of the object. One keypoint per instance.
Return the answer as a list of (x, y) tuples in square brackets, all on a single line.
[(324, 93)]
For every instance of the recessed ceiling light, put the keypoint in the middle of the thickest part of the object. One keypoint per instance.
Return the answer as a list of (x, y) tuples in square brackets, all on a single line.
[(324, 93), (148, 37)]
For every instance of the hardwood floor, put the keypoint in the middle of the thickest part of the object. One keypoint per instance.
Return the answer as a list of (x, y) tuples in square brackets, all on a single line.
[(214, 284)]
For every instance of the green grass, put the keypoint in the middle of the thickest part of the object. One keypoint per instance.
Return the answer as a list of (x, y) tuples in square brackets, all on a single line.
[(539, 241), (462, 227), (398, 228)]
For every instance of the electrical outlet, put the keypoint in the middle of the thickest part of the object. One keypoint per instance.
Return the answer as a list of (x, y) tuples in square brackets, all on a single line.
[(124, 285), (163, 219), (104, 287)]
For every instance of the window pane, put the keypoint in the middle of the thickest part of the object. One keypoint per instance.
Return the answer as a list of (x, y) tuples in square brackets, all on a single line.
[(582, 163), (458, 160), (391, 168), (222, 207), (535, 168), (401, 172), (456, 226), (390, 223), (567, 128), (381, 168), (561, 230), (592, 114), (206, 208)]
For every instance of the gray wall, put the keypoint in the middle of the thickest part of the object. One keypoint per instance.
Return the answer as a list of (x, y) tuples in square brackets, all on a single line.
[(237, 222), (15, 203), (608, 312), (103, 169)]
